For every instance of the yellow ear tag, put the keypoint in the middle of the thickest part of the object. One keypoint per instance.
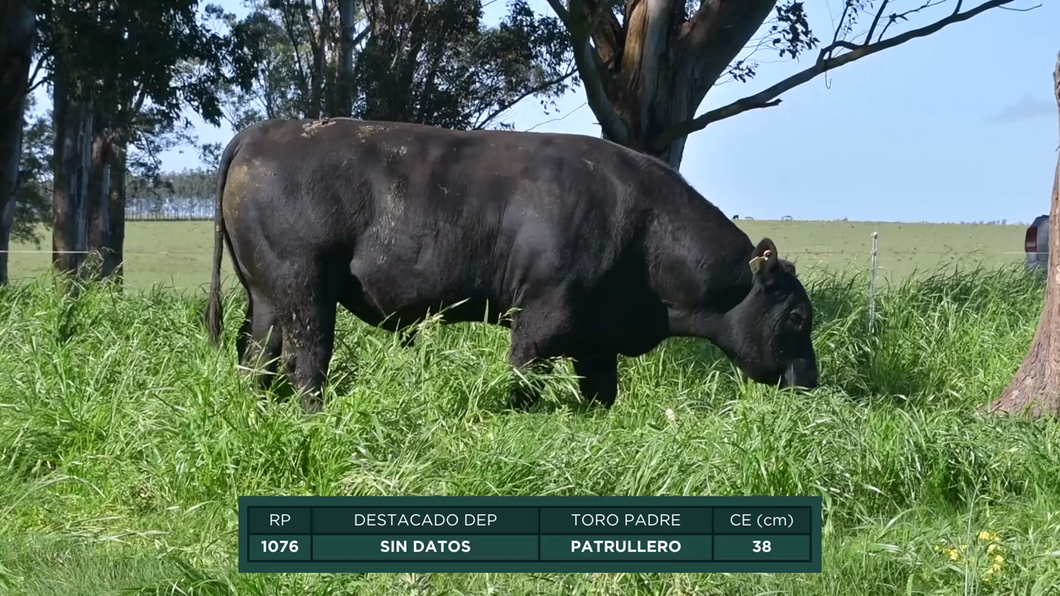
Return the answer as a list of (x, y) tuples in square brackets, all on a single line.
[(757, 262)]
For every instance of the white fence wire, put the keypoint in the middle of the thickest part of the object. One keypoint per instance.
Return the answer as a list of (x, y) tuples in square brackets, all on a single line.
[(873, 255)]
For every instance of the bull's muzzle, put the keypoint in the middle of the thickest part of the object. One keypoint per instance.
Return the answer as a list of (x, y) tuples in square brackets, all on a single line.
[(800, 374)]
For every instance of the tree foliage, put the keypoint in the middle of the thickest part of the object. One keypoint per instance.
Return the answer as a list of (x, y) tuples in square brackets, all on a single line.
[(125, 54), (426, 61), (33, 196), (122, 74)]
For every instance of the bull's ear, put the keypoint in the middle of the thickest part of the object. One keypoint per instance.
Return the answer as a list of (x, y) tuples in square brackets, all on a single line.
[(764, 260)]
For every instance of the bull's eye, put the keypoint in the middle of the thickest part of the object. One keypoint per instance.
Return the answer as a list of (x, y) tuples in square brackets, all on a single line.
[(796, 319)]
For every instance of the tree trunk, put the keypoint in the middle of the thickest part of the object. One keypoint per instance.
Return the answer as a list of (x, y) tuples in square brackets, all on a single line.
[(653, 71), (112, 265), (72, 167), (1035, 390), (319, 46), (17, 37), (99, 242), (669, 102), (347, 21)]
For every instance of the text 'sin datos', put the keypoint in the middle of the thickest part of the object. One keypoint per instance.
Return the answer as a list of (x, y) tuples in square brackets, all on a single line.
[(529, 534)]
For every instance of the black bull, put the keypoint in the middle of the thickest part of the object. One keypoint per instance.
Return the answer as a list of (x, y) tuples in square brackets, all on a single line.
[(602, 250)]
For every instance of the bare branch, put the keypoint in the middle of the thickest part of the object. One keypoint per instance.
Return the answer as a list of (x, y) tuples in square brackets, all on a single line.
[(288, 24), (551, 120), (876, 21), (32, 83), (894, 18), (508, 104), (842, 18), (768, 97), (1028, 9)]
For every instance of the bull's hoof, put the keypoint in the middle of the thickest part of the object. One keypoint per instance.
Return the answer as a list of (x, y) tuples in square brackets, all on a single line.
[(312, 403), (522, 400)]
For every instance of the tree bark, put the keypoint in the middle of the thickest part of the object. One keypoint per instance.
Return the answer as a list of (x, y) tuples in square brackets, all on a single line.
[(1035, 390), (318, 46), (347, 23), (17, 37), (657, 69), (72, 167), (99, 241), (112, 265)]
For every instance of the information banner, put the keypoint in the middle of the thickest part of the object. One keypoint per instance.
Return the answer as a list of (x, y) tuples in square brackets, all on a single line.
[(529, 534)]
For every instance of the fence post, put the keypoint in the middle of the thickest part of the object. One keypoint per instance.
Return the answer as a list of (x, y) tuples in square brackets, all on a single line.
[(872, 284)]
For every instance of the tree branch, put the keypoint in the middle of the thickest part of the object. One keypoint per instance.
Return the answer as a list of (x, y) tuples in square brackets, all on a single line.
[(587, 60), (539, 88), (876, 20), (32, 83), (561, 12), (894, 18), (360, 37), (288, 25), (715, 37), (842, 18), (768, 97)]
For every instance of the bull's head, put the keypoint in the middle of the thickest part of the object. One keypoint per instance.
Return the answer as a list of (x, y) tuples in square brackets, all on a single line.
[(769, 331)]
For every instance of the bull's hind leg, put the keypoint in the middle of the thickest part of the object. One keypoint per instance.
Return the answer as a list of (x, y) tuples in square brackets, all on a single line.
[(308, 320), (260, 339), (599, 377), (539, 332)]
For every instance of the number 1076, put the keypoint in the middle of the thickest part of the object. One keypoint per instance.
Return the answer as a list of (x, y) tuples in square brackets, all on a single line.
[(279, 546)]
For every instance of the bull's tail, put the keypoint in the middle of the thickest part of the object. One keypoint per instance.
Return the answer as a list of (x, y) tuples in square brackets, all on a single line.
[(214, 315)]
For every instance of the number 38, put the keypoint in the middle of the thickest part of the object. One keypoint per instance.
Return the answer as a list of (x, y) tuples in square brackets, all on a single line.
[(281, 546), (761, 546)]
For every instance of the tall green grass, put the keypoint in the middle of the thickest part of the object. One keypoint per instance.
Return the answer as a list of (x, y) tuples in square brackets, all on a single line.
[(125, 440)]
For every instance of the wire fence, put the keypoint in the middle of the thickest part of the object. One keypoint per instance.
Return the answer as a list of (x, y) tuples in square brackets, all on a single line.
[(189, 268)]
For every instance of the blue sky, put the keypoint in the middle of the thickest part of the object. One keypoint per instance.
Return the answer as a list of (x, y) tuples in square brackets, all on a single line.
[(957, 126)]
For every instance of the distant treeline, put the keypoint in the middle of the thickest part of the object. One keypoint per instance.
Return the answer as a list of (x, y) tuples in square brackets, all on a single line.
[(187, 195)]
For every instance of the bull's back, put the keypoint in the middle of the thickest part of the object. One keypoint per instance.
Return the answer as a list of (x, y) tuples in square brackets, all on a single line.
[(441, 214)]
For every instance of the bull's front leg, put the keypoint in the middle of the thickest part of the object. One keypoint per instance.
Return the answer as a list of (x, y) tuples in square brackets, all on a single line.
[(599, 377), (540, 331)]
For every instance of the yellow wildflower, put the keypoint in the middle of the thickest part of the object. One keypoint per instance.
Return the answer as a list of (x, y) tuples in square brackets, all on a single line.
[(953, 553), (985, 536)]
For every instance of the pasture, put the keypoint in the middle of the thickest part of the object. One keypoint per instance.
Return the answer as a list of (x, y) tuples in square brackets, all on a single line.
[(177, 254), (125, 438)]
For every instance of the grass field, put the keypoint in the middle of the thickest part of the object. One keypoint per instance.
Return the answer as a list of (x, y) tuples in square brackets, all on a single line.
[(125, 438), (178, 253)]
